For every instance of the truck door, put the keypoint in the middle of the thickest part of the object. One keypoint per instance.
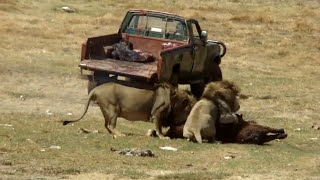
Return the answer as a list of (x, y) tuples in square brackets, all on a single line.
[(176, 63), (199, 52)]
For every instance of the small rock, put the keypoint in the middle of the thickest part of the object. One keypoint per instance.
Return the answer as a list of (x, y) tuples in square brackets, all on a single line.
[(313, 138), (7, 163), (297, 129), (243, 96), (189, 165), (315, 126), (229, 157), (68, 9), (69, 114), (6, 125), (42, 150), (55, 147), (168, 148), (49, 112), (22, 98), (268, 97), (87, 131)]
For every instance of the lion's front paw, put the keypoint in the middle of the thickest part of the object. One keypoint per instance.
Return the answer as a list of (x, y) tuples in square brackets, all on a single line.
[(118, 135), (152, 133)]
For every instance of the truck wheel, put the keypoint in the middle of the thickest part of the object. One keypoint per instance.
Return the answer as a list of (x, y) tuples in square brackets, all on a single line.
[(174, 80), (197, 89), (91, 85), (217, 73)]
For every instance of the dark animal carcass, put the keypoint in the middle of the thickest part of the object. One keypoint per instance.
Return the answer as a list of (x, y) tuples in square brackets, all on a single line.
[(244, 132), (124, 51), (247, 132)]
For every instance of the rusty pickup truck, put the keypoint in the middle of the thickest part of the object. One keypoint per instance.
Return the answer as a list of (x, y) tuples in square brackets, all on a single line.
[(183, 54)]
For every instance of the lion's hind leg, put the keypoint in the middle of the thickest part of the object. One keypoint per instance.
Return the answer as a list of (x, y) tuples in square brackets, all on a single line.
[(192, 135), (110, 113)]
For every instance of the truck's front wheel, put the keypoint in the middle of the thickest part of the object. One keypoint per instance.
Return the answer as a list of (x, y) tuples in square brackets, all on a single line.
[(197, 89), (215, 75)]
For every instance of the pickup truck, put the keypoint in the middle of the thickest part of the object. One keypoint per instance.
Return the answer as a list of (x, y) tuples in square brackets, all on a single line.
[(182, 53)]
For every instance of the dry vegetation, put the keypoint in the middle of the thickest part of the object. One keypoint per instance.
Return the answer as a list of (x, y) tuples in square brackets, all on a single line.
[(273, 55)]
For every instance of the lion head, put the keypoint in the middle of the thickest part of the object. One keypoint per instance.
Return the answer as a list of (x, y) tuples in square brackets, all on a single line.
[(181, 105), (223, 90)]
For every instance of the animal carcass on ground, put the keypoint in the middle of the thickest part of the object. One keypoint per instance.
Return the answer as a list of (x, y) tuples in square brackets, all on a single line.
[(244, 132), (248, 132)]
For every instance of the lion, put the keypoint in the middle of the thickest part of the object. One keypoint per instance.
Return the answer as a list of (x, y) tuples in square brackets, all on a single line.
[(116, 100), (218, 103)]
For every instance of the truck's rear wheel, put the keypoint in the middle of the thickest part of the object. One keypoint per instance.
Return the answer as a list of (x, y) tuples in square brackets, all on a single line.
[(98, 78)]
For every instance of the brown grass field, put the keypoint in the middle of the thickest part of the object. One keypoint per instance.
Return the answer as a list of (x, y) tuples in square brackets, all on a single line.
[(273, 55)]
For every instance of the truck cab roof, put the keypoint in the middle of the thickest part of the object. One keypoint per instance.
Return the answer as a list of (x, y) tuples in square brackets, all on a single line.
[(155, 24), (160, 13)]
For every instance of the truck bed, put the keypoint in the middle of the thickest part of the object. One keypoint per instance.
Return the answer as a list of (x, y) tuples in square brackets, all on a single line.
[(143, 71)]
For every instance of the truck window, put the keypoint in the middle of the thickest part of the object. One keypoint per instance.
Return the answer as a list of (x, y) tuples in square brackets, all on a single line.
[(196, 34), (176, 30), (137, 25), (157, 27)]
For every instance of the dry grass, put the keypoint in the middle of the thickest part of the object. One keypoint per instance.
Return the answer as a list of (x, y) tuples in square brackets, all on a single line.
[(273, 55)]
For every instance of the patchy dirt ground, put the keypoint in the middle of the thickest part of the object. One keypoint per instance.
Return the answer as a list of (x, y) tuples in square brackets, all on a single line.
[(273, 55)]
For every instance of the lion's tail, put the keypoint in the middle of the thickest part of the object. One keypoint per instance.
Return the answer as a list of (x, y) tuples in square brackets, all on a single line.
[(91, 95)]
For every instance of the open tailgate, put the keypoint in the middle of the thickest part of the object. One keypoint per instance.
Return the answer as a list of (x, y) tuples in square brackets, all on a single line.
[(145, 71)]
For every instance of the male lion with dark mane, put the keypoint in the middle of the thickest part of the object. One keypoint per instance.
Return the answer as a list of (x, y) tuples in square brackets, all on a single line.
[(156, 105), (218, 102)]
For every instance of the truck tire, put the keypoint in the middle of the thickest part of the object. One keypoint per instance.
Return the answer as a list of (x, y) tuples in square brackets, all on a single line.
[(97, 79), (217, 73), (197, 89), (174, 79)]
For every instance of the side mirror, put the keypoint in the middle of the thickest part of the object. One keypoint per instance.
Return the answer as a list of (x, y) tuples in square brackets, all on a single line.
[(204, 36)]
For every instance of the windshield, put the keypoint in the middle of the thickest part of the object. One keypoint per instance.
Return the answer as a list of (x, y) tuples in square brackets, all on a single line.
[(157, 27)]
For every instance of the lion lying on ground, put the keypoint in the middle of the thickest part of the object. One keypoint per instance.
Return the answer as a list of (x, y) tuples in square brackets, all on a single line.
[(217, 103), (134, 104)]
